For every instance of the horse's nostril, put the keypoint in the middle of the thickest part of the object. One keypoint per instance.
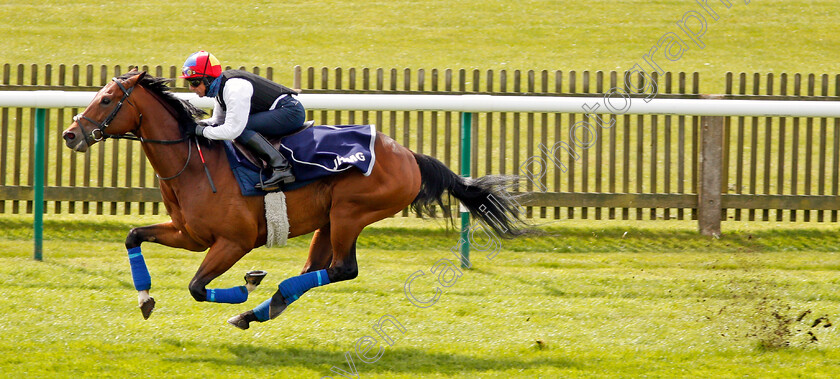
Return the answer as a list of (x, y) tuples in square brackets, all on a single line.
[(69, 136)]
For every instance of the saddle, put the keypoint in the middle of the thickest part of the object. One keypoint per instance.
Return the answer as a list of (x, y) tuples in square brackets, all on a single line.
[(314, 151), (274, 141)]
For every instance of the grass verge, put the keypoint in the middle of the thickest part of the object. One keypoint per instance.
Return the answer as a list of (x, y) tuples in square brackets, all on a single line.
[(580, 300)]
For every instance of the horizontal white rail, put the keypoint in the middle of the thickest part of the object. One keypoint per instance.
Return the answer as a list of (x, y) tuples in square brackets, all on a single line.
[(552, 104), (484, 103), (69, 99)]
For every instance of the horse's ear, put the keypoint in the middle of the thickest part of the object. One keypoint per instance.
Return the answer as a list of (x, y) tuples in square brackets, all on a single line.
[(133, 80), (133, 69)]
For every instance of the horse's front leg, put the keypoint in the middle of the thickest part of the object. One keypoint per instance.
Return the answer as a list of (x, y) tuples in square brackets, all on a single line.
[(165, 234), (222, 256)]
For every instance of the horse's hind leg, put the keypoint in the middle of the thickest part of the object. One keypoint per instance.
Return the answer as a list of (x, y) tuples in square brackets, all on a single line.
[(320, 251), (343, 266)]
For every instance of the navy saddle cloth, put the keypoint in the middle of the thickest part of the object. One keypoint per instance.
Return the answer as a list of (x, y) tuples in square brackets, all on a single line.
[(314, 153)]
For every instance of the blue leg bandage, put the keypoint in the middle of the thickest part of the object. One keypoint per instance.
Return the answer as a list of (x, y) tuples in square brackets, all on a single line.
[(261, 311), (233, 295), (139, 272), (292, 289)]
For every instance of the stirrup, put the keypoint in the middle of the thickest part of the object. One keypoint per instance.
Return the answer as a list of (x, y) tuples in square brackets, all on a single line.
[(278, 179)]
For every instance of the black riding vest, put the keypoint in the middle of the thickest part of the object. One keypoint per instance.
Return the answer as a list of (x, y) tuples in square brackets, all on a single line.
[(265, 91)]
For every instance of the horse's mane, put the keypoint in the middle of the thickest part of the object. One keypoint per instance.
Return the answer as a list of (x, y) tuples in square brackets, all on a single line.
[(186, 113)]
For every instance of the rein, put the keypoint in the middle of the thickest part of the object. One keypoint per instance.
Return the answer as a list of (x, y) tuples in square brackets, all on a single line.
[(144, 140), (187, 163)]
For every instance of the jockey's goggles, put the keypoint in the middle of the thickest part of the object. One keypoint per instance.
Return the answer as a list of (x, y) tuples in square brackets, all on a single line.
[(190, 72)]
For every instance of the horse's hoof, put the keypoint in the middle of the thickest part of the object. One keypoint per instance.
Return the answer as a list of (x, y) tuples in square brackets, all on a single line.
[(255, 277), (240, 322), (147, 307)]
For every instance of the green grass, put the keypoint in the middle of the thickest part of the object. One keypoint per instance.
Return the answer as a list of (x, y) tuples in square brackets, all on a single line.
[(606, 299)]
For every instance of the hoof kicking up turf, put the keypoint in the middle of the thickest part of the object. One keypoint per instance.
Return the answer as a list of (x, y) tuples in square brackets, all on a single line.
[(147, 307)]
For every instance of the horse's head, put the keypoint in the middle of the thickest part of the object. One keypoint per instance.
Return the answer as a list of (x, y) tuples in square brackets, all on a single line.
[(105, 115)]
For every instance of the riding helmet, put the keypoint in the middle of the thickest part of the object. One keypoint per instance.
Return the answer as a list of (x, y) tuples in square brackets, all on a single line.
[(201, 64)]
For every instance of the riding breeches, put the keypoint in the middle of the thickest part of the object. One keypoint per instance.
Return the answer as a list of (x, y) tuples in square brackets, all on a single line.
[(286, 118)]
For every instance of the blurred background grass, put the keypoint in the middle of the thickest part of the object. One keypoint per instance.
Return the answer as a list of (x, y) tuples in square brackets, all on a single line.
[(762, 36)]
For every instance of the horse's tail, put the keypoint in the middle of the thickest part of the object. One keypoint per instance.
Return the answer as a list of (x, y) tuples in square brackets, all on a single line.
[(485, 197)]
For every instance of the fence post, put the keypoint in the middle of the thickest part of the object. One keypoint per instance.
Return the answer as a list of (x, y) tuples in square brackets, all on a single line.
[(710, 171), (38, 198), (466, 163)]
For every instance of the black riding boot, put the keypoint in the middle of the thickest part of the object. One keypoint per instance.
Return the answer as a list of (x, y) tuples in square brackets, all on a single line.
[(282, 171)]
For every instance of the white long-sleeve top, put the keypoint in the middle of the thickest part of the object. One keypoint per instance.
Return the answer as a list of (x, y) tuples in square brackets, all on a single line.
[(237, 95)]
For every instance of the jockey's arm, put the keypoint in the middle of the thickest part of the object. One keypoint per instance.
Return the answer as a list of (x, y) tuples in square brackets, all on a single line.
[(237, 95), (217, 118)]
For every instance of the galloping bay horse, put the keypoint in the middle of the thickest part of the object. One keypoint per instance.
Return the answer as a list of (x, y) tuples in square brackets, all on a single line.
[(337, 208)]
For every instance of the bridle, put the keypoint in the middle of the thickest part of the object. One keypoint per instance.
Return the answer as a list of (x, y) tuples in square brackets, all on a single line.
[(99, 134)]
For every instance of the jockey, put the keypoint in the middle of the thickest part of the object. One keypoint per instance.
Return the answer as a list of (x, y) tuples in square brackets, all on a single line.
[(247, 108)]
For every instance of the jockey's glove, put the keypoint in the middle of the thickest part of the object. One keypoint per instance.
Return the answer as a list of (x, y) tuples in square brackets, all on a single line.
[(199, 130)]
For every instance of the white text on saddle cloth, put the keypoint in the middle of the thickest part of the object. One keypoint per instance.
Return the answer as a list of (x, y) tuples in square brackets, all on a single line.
[(349, 159)]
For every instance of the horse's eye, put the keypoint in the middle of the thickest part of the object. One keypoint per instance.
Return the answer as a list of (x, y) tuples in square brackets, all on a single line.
[(106, 101)]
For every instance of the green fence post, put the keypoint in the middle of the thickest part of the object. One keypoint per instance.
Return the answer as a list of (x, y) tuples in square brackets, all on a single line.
[(40, 134), (466, 162)]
